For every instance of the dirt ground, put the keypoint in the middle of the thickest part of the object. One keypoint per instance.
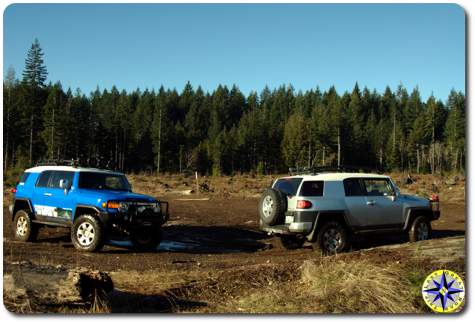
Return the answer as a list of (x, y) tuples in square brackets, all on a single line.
[(212, 255)]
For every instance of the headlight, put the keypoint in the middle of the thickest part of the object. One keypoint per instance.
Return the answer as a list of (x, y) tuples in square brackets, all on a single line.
[(120, 206), (123, 206), (156, 208)]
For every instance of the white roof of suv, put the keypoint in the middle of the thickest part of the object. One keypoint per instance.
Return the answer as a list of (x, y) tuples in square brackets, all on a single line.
[(39, 169), (336, 176)]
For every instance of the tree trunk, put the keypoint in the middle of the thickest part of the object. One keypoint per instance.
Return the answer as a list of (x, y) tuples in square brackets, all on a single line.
[(339, 147), (7, 132), (52, 136), (323, 157), (31, 138), (159, 139), (309, 154), (418, 159)]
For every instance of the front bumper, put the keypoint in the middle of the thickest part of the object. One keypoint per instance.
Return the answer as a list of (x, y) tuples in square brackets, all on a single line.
[(141, 214)]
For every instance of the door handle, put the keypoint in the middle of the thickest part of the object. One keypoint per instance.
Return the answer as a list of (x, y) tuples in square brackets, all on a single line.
[(370, 202), (48, 194)]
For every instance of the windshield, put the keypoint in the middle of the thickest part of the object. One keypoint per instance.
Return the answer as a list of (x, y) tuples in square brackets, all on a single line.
[(103, 181)]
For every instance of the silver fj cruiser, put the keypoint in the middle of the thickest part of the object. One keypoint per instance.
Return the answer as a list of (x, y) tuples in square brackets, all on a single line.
[(326, 207)]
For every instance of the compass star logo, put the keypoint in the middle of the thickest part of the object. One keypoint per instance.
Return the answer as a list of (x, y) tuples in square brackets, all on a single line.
[(443, 291)]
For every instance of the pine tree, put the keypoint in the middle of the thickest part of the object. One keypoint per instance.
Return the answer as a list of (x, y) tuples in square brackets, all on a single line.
[(454, 129), (8, 111), (35, 72)]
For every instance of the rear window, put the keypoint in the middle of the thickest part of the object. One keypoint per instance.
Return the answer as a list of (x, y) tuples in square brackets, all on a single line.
[(353, 187), (288, 186), (24, 177), (312, 188), (43, 179)]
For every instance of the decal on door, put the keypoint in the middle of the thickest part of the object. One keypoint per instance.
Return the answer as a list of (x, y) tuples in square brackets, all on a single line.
[(53, 211)]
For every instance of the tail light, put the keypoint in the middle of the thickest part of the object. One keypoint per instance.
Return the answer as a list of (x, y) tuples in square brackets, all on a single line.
[(434, 202), (303, 204), (13, 190)]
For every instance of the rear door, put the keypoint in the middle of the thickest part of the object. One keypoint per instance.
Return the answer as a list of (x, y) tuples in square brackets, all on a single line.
[(58, 202), (49, 200), (383, 207), (355, 199), (40, 193)]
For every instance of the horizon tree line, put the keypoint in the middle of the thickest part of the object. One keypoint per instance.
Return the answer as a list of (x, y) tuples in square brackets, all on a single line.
[(225, 131)]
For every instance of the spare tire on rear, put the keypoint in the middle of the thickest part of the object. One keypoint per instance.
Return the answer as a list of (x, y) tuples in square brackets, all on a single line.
[(272, 206)]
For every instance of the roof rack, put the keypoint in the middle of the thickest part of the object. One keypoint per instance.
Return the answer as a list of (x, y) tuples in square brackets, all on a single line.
[(58, 162), (332, 169), (95, 162)]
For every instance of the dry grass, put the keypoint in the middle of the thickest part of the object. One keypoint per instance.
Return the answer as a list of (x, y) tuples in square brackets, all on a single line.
[(336, 286), (358, 287)]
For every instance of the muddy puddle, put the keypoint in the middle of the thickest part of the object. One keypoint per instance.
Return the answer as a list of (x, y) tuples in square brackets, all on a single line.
[(189, 246)]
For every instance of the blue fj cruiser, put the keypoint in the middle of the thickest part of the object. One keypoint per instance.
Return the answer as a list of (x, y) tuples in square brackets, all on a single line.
[(98, 205)]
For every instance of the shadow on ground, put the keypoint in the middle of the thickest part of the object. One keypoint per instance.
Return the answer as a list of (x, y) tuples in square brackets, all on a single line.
[(378, 240), (125, 302)]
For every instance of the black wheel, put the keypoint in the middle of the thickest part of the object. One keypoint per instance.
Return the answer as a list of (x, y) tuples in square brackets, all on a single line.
[(87, 233), (420, 229), (147, 238), (291, 242), (23, 228), (272, 206), (332, 238)]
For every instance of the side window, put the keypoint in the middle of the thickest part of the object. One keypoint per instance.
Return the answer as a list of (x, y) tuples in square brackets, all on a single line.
[(353, 187), (312, 188), (43, 179), (57, 176), (378, 187)]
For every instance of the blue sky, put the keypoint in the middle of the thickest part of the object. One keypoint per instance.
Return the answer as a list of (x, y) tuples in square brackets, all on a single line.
[(145, 46)]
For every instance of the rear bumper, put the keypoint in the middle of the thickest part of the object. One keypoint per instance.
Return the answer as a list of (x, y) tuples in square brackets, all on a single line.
[(298, 222), (435, 215), (292, 228)]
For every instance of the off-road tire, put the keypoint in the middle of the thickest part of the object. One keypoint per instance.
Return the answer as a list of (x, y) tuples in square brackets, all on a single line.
[(23, 227), (420, 223), (291, 242), (85, 226), (272, 206), (329, 232), (147, 239)]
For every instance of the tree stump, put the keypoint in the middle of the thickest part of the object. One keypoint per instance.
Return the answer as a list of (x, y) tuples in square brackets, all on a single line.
[(42, 287)]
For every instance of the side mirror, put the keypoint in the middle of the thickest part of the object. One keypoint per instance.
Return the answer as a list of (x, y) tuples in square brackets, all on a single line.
[(65, 184)]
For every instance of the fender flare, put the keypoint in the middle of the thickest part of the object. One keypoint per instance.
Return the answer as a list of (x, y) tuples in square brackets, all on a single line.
[(412, 213), (16, 208), (101, 215), (318, 220)]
